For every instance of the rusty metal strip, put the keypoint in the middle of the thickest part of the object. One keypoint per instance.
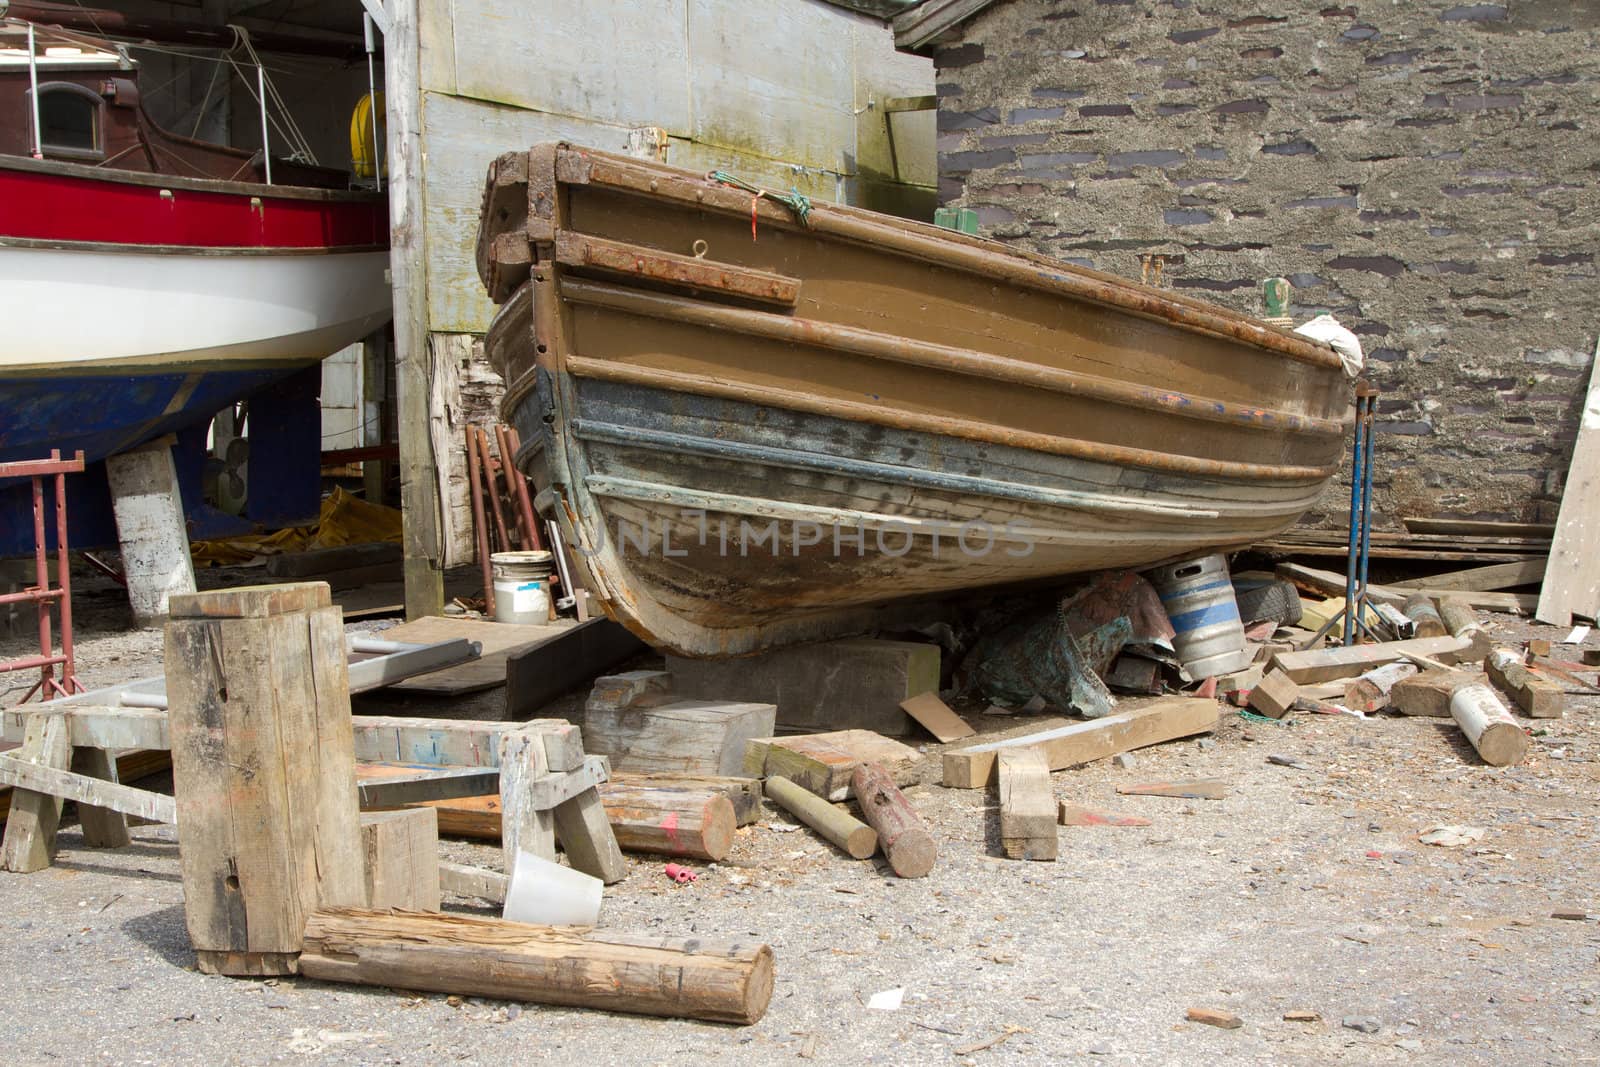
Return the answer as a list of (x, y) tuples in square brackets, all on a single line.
[(944, 357), (606, 370), (945, 248), (615, 257)]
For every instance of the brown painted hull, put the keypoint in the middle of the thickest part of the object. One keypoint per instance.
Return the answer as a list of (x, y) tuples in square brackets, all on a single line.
[(753, 442)]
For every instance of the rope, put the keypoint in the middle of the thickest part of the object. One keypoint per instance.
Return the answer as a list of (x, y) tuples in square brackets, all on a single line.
[(1250, 716), (283, 122), (794, 200)]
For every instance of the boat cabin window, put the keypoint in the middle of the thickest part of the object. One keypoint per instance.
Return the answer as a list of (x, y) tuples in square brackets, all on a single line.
[(69, 119)]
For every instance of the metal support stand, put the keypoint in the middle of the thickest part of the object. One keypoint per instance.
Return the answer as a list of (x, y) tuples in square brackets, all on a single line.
[(1354, 612), (41, 594)]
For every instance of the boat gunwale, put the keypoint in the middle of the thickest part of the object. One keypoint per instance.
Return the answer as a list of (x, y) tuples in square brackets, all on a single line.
[(49, 244), (89, 172), (948, 248)]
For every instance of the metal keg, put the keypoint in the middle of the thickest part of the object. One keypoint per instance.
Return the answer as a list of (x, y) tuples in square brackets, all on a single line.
[(1198, 596)]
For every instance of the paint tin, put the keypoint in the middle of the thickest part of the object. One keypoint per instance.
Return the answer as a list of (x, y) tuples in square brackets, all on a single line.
[(521, 586), (1198, 596)]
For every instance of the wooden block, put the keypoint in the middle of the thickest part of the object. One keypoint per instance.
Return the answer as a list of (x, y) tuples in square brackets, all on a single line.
[(1539, 697), (401, 851), (1321, 665), (587, 839), (1224, 1020), (854, 837), (1429, 692), (684, 737), (906, 842), (743, 793), (1163, 720), (1539, 646), (102, 827), (1076, 815), (459, 879), (1458, 616), (1189, 789), (1370, 692), (1488, 725), (1028, 809), (30, 839), (1275, 695), (856, 683), (645, 974), (1246, 679), (262, 755), (525, 825), (935, 716), (825, 763)]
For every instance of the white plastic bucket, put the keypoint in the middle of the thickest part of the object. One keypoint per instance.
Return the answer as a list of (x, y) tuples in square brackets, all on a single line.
[(521, 586), (1199, 600), (548, 894)]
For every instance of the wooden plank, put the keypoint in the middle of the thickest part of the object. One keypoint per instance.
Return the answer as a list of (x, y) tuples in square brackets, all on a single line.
[(1028, 809), (1077, 815), (316, 562), (1482, 579), (566, 661), (936, 717), (382, 785), (585, 834), (634, 261), (30, 839), (1327, 664), (684, 737), (96, 726), (1572, 578), (262, 747), (825, 763), (1478, 528), (1187, 789), (400, 851), (1082, 742), (1327, 583), (499, 641), (65, 785), (682, 978), (459, 879)]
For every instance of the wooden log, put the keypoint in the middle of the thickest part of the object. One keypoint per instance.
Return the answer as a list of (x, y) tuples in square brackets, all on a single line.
[(906, 842), (1488, 725), (1274, 695), (684, 737), (1458, 616), (1429, 692), (30, 839), (856, 838), (825, 763), (1370, 692), (1425, 617), (743, 793), (647, 975), (262, 755), (401, 859), (1327, 664), (1539, 697), (1028, 809), (102, 827), (691, 824), (1482, 579), (1082, 742)]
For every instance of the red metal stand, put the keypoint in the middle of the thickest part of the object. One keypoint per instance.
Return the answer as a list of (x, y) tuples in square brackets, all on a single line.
[(40, 593)]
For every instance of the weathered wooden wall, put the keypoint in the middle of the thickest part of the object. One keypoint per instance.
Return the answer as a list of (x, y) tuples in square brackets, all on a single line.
[(787, 93)]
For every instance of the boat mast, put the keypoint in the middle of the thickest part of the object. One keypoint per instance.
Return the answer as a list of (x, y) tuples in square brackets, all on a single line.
[(372, 110), (261, 97)]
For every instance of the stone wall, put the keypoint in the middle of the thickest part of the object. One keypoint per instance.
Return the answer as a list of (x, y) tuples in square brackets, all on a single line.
[(1424, 170)]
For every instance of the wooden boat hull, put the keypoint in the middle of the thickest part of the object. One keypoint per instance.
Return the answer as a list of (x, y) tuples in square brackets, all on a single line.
[(811, 433)]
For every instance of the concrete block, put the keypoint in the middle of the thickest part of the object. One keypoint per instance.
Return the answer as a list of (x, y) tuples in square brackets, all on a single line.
[(850, 684)]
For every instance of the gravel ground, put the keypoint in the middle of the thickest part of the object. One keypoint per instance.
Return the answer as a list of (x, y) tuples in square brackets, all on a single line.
[(1304, 890)]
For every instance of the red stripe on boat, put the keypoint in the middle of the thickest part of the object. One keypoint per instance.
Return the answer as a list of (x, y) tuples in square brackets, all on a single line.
[(54, 207)]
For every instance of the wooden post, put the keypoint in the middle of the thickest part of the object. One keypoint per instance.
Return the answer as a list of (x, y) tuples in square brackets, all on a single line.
[(689, 823), (1370, 692), (263, 762), (523, 825), (419, 489), (1420, 610), (30, 841), (1488, 725), (102, 827), (649, 975), (586, 837), (150, 529), (1459, 618), (1027, 805), (906, 842), (856, 838)]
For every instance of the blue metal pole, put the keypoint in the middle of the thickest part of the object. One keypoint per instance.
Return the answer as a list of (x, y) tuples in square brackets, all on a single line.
[(1355, 532), (1371, 396)]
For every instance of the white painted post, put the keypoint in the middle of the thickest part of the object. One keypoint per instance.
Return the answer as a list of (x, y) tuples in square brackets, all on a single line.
[(150, 530)]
